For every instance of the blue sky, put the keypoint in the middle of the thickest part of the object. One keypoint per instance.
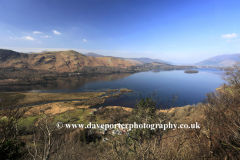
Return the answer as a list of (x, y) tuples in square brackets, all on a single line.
[(180, 31)]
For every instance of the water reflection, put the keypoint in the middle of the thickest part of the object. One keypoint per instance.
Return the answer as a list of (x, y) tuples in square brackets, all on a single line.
[(65, 84), (191, 88)]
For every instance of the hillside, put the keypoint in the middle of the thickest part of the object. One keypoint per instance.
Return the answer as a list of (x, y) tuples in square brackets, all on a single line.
[(137, 61), (220, 60), (147, 60), (134, 61), (60, 61)]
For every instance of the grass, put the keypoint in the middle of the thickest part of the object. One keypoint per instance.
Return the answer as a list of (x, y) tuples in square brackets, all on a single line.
[(78, 116), (44, 97), (70, 113), (12, 98), (75, 116), (20, 98), (83, 116), (29, 120)]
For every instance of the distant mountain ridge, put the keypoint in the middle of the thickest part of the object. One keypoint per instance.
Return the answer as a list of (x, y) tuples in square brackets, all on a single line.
[(39, 52), (144, 60), (220, 60), (60, 61), (93, 54), (137, 61)]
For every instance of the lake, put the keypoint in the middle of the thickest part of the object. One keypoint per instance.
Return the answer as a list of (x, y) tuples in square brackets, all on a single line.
[(191, 88)]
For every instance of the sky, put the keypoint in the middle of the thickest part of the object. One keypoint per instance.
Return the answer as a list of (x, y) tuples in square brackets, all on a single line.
[(179, 31)]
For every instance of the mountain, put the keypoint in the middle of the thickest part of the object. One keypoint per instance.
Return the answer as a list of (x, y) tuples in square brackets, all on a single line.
[(134, 61), (147, 60), (220, 60), (44, 51), (144, 60), (8, 54), (93, 54), (60, 61), (137, 61)]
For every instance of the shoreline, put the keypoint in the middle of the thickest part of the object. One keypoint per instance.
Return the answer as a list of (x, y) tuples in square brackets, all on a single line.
[(73, 100), (47, 76), (18, 99)]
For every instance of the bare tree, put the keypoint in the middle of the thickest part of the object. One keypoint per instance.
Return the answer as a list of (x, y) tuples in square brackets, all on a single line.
[(232, 75), (45, 136), (222, 116)]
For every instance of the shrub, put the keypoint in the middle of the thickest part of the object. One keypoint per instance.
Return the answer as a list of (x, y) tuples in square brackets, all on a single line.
[(11, 145)]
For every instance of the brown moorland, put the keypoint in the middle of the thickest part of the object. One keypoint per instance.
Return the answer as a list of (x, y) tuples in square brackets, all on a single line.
[(60, 61)]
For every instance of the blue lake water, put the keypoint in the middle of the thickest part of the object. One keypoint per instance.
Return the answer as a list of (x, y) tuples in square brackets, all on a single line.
[(191, 88)]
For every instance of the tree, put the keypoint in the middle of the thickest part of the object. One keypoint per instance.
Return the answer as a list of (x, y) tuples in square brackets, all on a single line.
[(232, 75), (222, 116), (11, 145), (142, 143), (45, 137)]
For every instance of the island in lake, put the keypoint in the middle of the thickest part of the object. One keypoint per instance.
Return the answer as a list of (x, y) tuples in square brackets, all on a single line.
[(191, 71)]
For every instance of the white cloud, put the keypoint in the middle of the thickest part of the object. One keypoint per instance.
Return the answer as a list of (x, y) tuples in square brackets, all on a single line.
[(233, 35), (37, 32), (56, 32), (28, 38), (84, 40), (46, 36)]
